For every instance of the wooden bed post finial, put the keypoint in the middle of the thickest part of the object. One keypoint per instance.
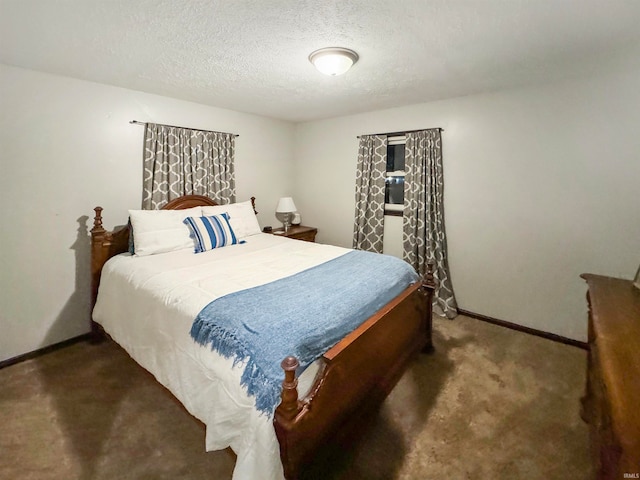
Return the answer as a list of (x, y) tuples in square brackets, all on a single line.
[(289, 408), (97, 221), (429, 279)]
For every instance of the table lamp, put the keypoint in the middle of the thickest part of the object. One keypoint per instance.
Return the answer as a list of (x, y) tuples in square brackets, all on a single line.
[(285, 210)]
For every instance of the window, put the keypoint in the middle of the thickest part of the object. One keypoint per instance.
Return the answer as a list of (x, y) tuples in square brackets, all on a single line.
[(394, 182)]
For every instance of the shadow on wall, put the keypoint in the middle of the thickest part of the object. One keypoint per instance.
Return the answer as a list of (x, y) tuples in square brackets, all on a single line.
[(76, 310), (379, 452)]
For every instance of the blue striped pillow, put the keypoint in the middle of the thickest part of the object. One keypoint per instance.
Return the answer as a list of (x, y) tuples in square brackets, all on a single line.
[(211, 232)]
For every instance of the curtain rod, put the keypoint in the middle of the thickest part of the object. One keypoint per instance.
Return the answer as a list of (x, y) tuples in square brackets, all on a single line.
[(136, 122), (397, 134)]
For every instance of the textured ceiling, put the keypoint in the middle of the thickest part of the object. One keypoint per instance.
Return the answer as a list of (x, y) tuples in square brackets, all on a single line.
[(251, 55)]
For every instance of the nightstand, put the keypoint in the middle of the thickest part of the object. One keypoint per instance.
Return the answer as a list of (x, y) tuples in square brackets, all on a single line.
[(297, 232)]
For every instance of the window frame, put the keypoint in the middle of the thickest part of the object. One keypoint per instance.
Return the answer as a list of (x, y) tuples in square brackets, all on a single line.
[(395, 209)]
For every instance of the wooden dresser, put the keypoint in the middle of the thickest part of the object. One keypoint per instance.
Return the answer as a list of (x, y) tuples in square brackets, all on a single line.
[(611, 404)]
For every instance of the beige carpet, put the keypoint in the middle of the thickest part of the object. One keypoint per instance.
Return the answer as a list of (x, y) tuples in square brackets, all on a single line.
[(491, 403)]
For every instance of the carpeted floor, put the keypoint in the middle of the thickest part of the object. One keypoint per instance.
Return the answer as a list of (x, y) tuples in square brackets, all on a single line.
[(491, 403)]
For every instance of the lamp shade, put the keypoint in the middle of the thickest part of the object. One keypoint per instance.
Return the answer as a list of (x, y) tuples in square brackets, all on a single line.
[(286, 205)]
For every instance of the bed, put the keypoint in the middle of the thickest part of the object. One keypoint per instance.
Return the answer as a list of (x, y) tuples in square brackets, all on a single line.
[(137, 306)]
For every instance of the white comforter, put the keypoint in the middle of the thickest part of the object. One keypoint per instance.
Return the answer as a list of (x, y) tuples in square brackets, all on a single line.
[(147, 305)]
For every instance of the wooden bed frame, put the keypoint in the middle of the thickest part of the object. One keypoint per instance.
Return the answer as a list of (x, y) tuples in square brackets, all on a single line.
[(355, 375)]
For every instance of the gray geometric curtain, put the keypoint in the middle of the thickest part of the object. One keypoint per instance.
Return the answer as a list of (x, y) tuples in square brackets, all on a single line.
[(180, 161), (423, 234), (368, 228)]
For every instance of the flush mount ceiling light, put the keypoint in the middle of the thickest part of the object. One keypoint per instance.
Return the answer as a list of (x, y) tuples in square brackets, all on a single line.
[(333, 60)]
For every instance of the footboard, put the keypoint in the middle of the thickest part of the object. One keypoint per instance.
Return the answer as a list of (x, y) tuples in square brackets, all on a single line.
[(357, 375)]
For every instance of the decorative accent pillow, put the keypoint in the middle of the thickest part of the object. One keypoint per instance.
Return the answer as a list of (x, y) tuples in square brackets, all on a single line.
[(160, 231), (211, 232), (241, 217)]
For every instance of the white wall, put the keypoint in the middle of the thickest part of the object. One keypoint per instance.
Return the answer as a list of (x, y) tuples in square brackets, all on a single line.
[(66, 146), (541, 184)]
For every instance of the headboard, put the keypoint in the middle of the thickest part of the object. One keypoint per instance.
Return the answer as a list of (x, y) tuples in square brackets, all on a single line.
[(105, 244)]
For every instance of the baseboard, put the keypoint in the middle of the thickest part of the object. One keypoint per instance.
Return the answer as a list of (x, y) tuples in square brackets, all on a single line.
[(44, 350), (522, 328)]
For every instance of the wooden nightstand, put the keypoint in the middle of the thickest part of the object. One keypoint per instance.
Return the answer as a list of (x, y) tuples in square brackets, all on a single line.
[(298, 232)]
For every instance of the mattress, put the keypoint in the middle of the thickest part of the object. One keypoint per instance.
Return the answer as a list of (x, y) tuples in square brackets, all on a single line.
[(148, 304)]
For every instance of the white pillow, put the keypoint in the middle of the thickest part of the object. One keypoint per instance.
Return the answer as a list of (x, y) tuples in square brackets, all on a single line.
[(242, 218), (160, 231)]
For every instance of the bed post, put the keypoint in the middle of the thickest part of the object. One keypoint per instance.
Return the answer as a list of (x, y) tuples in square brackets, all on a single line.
[(289, 408), (286, 413), (97, 238), (104, 245)]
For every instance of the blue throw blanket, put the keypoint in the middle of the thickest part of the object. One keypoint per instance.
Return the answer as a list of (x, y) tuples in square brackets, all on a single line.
[(303, 315)]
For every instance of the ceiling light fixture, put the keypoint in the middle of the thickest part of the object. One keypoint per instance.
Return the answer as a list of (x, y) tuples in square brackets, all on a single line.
[(333, 60)]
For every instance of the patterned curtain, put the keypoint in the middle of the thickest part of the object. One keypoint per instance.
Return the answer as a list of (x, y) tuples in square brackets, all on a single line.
[(179, 161), (368, 229), (423, 235)]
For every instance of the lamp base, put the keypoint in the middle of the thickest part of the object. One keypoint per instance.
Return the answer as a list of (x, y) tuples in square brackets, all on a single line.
[(285, 218)]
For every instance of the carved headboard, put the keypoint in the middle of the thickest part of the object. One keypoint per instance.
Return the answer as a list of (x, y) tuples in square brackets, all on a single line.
[(105, 244)]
